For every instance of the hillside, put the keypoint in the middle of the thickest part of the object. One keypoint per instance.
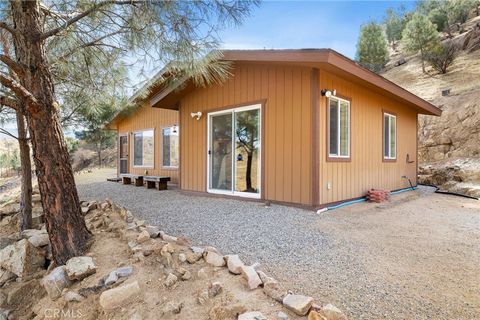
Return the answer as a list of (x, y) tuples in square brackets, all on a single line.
[(449, 149)]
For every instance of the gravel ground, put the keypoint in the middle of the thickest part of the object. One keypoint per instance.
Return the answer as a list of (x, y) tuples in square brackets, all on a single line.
[(417, 257)]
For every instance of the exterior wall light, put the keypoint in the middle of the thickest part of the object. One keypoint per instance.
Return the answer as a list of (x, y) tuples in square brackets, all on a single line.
[(196, 114), (328, 93)]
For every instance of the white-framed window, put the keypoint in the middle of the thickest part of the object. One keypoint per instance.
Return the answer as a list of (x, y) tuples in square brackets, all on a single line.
[(143, 148), (389, 136), (170, 147), (338, 128)]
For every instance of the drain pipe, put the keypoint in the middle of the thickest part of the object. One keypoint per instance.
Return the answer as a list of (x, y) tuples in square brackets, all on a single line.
[(363, 199), (437, 190)]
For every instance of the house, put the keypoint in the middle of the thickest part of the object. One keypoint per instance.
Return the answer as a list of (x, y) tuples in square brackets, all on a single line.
[(305, 127)]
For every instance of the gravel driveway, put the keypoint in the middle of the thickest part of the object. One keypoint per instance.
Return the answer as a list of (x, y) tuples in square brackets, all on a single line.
[(417, 257)]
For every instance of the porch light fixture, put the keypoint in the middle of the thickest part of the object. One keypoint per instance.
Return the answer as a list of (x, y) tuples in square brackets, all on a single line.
[(174, 128), (196, 114), (328, 93)]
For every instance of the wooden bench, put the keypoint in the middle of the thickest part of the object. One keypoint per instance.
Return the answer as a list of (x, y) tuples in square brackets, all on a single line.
[(127, 179), (152, 180)]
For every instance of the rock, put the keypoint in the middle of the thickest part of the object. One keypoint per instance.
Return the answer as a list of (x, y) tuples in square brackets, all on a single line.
[(153, 231), (25, 291), (203, 297), (186, 275), (229, 312), (252, 315), (120, 296), (104, 206), (330, 312), (79, 268), (271, 287), (6, 276), (85, 210), (234, 264), (197, 250), (282, 316), (193, 257), (72, 296), (21, 258), (171, 280), (4, 314), (253, 280), (167, 238), (215, 289), (143, 236), (314, 315), (173, 307), (39, 238), (298, 303), (182, 241), (113, 276), (214, 259), (55, 282), (6, 242), (182, 257)]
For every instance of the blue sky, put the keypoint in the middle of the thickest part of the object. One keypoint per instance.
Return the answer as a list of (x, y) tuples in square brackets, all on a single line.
[(307, 24)]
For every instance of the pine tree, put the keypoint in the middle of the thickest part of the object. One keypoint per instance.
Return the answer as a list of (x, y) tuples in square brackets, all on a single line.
[(372, 50), (420, 34)]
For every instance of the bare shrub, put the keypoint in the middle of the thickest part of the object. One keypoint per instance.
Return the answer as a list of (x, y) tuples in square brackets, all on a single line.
[(442, 57)]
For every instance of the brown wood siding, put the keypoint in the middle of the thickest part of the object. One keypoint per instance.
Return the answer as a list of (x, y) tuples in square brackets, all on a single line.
[(366, 169), (147, 117), (287, 132)]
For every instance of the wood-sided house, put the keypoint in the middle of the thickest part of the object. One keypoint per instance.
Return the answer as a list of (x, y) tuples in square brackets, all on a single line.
[(307, 127)]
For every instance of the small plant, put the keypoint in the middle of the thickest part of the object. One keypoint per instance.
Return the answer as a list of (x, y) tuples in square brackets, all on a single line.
[(442, 57)]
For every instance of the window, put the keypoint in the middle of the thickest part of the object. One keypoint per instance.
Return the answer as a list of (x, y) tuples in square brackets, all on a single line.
[(170, 147), (143, 148), (339, 128), (389, 136)]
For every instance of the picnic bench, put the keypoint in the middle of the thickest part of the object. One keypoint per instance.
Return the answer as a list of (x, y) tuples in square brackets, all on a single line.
[(153, 180), (127, 179)]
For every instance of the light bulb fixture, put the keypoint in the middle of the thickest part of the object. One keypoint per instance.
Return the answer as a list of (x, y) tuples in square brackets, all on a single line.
[(328, 93), (198, 115), (174, 128)]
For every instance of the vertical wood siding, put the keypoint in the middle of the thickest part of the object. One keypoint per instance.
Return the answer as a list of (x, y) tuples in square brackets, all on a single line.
[(366, 169), (146, 117), (287, 132)]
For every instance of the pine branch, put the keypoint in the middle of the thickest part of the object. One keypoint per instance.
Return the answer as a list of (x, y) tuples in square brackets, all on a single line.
[(87, 12), (17, 88), (5, 132), (9, 102), (5, 26), (12, 64)]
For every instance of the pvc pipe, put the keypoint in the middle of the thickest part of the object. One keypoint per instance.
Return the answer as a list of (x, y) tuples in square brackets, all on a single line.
[(343, 204)]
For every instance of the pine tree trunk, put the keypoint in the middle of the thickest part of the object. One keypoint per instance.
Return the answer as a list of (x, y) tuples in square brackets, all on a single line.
[(64, 221), (26, 170)]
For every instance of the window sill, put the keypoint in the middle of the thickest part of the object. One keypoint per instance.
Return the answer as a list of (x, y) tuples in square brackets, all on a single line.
[(389, 160), (169, 168), (338, 159)]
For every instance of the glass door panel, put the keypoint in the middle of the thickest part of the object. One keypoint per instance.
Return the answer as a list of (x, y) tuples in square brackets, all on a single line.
[(247, 149), (221, 135)]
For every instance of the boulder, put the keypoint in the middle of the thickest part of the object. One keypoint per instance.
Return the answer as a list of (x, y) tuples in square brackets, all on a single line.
[(193, 257), (171, 280), (143, 236), (252, 315), (172, 307), (153, 231), (6, 242), (21, 258), (167, 237), (113, 276), (120, 296), (272, 288), (182, 257), (6, 276), (234, 264), (298, 303), (330, 312), (71, 296), (79, 268), (39, 238), (282, 316), (253, 280), (55, 282), (214, 259)]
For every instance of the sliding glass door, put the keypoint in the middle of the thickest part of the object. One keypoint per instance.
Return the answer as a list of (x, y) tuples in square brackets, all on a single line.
[(234, 151)]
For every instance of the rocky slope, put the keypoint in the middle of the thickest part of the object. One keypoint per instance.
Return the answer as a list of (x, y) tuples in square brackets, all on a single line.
[(135, 271), (455, 136)]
